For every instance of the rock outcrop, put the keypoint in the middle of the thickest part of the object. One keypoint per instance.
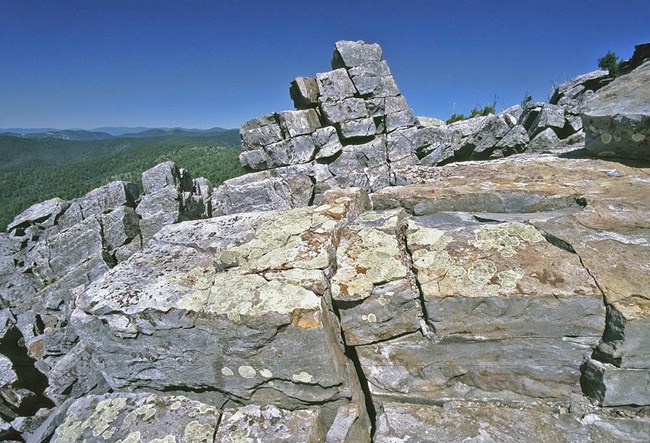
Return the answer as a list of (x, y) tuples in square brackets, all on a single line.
[(354, 287)]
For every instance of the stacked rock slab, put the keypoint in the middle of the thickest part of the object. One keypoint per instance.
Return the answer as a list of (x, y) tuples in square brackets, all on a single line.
[(350, 126)]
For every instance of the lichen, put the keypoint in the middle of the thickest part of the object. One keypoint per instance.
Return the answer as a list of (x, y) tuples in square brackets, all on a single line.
[(434, 239), (196, 432), (266, 373), (481, 272), (302, 377), (247, 371), (508, 278), (227, 372), (505, 237), (237, 295), (165, 439)]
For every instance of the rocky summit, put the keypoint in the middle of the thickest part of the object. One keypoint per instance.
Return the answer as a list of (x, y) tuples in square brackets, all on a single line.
[(374, 277)]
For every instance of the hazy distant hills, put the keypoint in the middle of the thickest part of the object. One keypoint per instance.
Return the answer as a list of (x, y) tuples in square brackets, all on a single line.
[(105, 133)]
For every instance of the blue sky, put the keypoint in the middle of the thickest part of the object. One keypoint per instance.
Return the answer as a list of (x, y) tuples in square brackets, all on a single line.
[(87, 63)]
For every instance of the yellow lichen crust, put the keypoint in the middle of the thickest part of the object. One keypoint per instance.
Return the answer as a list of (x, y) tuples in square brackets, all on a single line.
[(98, 423), (505, 237)]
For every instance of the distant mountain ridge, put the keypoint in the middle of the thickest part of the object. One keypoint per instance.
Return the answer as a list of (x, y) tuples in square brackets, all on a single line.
[(105, 133)]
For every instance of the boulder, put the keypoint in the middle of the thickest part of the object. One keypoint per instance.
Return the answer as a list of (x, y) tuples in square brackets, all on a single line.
[(335, 85), (260, 132), (617, 118), (43, 214)]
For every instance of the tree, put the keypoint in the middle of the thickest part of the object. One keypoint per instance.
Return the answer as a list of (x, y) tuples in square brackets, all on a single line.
[(610, 62)]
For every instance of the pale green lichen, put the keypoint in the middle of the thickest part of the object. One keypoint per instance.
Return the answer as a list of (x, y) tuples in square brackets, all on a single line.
[(434, 239), (505, 237), (481, 272), (227, 372), (247, 371), (381, 267), (133, 437), (165, 439), (266, 373), (302, 377), (196, 432), (508, 279), (279, 243), (236, 295), (240, 436), (175, 405), (423, 259)]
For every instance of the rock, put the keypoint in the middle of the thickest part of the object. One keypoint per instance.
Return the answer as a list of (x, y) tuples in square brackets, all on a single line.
[(158, 209), (430, 121), (508, 424), (515, 141), (545, 141), (335, 85), (575, 87), (361, 128), (610, 385), (371, 287), (349, 54), (268, 423), (120, 226), (137, 417), (295, 123), (550, 116), (346, 109), (42, 214), (482, 143), (304, 92), (295, 151), (275, 341), (161, 176), (617, 118), (276, 189), (260, 132), (108, 197)]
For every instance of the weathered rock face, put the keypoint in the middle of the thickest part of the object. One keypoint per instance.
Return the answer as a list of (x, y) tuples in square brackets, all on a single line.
[(425, 301), (617, 118)]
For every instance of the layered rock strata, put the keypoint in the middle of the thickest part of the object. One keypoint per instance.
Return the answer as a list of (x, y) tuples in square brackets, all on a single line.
[(424, 301)]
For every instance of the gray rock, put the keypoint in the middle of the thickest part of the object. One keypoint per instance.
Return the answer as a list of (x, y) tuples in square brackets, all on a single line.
[(348, 54), (430, 121), (7, 374), (502, 423), (515, 141), (335, 85), (304, 92), (617, 119), (401, 119), (158, 209), (255, 159), (371, 79), (363, 127), (295, 123), (546, 140), (137, 417), (246, 303), (347, 109), (400, 144), (161, 176), (492, 129), (575, 87), (297, 150), (268, 423), (113, 195), (326, 141), (613, 386), (43, 214), (550, 116), (275, 189), (120, 226), (260, 132)]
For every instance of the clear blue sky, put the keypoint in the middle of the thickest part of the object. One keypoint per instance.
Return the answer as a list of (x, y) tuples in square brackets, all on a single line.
[(90, 63)]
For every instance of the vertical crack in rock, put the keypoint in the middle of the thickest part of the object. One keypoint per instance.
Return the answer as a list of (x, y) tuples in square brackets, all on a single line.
[(426, 328), (351, 354)]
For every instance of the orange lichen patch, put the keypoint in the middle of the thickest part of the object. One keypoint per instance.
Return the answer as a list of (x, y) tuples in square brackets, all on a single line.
[(306, 319), (36, 348)]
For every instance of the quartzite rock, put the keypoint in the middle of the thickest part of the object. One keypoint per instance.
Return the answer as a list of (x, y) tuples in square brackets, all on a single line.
[(617, 118), (458, 423), (248, 287)]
